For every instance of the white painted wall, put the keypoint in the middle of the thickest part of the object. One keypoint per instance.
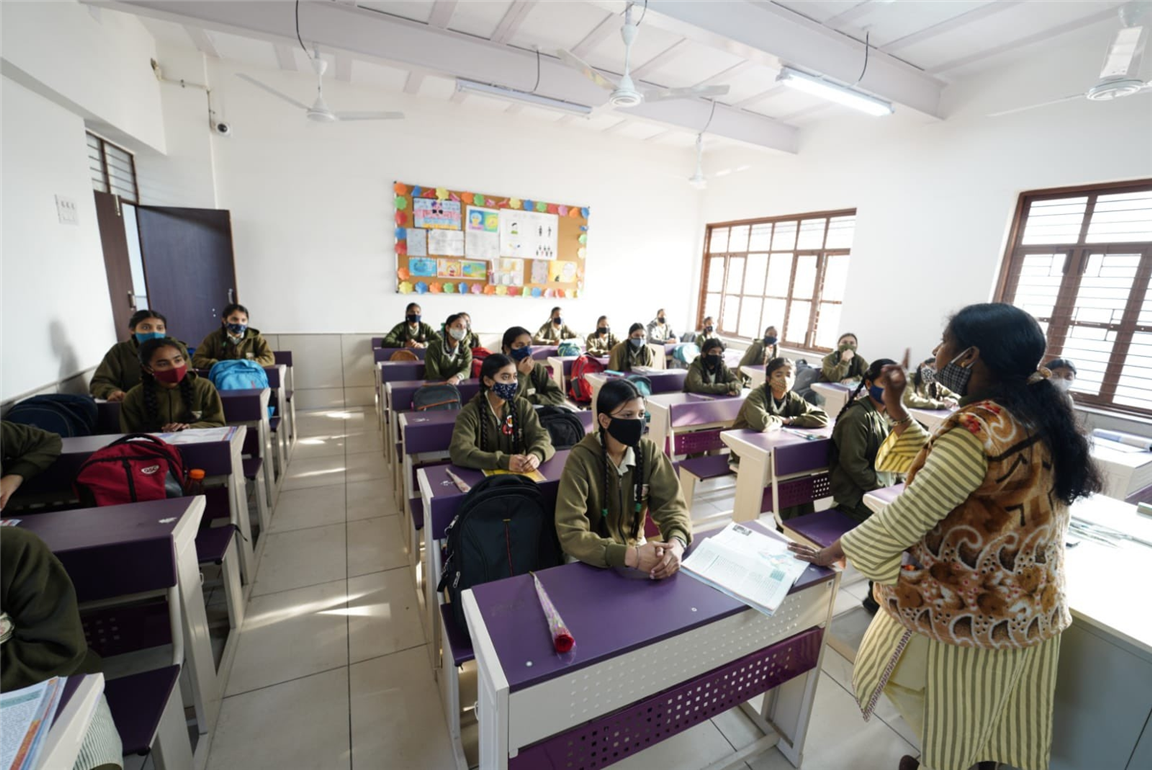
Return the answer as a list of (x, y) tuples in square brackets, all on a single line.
[(56, 317)]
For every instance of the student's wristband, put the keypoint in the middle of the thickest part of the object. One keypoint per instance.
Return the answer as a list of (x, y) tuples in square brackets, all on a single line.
[(905, 419)]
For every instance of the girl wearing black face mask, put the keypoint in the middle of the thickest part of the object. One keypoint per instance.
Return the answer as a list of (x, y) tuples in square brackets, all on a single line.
[(412, 332), (924, 392), (632, 352), (601, 341), (235, 339), (709, 375), (554, 331), (659, 330), (763, 350), (708, 332), (611, 481), (535, 384)]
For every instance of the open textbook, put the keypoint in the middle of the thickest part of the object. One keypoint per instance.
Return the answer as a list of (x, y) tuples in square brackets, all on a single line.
[(27, 716), (747, 565)]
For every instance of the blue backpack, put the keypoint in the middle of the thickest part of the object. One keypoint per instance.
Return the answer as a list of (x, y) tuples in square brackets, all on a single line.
[(568, 348), (65, 415), (240, 374), (685, 353)]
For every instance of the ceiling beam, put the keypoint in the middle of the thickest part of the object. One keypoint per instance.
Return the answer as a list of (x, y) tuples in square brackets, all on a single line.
[(285, 57), (866, 8), (458, 97), (661, 135), (414, 46), (413, 83), (609, 24), (514, 109), (674, 51), (442, 11), (344, 68), (956, 22), (726, 74), (202, 40), (815, 108), (774, 91), (615, 127), (513, 18)]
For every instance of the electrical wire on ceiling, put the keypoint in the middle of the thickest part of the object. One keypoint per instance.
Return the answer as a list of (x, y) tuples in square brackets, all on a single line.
[(867, 37), (300, 39), (537, 71), (711, 115), (642, 13)]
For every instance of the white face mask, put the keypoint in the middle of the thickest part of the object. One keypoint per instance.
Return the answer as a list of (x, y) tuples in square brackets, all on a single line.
[(457, 334), (1062, 384)]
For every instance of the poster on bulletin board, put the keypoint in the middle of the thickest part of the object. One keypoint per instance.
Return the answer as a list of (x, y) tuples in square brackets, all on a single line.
[(451, 241)]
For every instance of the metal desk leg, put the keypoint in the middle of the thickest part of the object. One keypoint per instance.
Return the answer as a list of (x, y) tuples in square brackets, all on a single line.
[(197, 646), (238, 502), (750, 480)]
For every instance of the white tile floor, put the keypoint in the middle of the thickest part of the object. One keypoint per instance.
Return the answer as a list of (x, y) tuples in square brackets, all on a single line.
[(332, 671)]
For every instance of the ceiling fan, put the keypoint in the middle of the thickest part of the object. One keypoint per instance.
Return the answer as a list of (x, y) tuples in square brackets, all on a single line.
[(699, 180), (319, 111), (1120, 75), (624, 92)]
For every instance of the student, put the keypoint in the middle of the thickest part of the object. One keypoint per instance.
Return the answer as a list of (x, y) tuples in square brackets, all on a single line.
[(411, 332), (26, 451), (924, 392), (632, 352), (1063, 374), (472, 341), (659, 330), (169, 397), (861, 428), (449, 359), (499, 430), (554, 331), (707, 333), (119, 372), (233, 340), (601, 341), (843, 365), (775, 405), (536, 386), (614, 478), (709, 375), (43, 636), (763, 350)]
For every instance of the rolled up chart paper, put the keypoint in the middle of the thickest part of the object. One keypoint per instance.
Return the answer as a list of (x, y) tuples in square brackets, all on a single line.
[(561, 638), (1141, 442)]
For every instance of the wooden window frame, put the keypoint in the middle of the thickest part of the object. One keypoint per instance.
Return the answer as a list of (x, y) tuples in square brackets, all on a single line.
[(1075, 262), (102, 146), (822, 254)]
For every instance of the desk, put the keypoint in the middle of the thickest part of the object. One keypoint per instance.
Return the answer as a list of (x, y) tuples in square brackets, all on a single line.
[(931, 418), (393, 371), (1103, 714), (835, 396), (385, 354), (1126, 469), (250, 409), (73, 718), (544, 352), (663, 380), (769, 459), (560, 367), (127, 550), (688, 423), (755, 374), (284, 437), (641, 646), (398, 398)]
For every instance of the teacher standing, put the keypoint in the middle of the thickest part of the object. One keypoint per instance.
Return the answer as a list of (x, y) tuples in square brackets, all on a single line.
[(968, 562)]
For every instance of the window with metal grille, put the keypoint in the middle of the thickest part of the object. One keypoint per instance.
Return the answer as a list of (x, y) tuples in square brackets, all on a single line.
[(788, 272), (113, 169), (1079, 260)]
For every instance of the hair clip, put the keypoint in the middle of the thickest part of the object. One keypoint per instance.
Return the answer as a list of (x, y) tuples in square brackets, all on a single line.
[(1041, 373)]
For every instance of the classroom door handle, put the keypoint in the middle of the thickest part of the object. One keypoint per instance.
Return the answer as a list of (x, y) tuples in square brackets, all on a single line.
[(231, 296), (132, 301)]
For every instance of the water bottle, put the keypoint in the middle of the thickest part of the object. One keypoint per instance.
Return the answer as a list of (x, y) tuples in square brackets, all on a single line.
[(195, 483)]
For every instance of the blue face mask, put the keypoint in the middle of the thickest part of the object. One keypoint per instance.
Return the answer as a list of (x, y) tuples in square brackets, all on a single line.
[(636, 343), (769, 341), (237, 330), (519, 354), (877, 393), (143, 337), (506, 390)]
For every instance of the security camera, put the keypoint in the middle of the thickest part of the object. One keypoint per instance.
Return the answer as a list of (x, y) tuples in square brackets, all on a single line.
[(222, 128)]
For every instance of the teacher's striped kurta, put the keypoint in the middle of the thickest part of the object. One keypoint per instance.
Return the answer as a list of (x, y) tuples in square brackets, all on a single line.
[(978, 704)]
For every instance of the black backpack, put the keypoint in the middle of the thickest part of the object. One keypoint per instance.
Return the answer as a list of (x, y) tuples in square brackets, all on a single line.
[(805, 376), (502, 530), (562, 425), (439, 397), (65, 415)]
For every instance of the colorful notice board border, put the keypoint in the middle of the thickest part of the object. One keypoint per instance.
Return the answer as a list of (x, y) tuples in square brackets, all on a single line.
[(460, 242)]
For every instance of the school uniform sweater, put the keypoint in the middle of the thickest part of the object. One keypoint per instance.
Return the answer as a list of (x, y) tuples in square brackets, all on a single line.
[(832, 369), (701, 338), (761, 412), (495, 451), (120, 369), (700, 379), (551, 334), (402, 333), (440, 363), (601, 539), (660, 333), (856, 441), (623, 357), (758, 354), (927, 395), (207, 408), (217, 346), (538, 388), (26, 450), (595, 345)]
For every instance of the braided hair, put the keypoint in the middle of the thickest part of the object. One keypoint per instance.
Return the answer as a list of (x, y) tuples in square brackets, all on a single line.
[(871, 374), (148, 382), (493, 364), (612, 395)]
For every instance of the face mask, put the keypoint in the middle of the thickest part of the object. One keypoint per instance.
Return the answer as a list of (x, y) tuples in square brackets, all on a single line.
[(927, 374), (707, 329), (786, 384), (627, 432), (1064, 386), (457, 334), (712, 362), (468, 325), (145, 336), (237, 330), (847, 346), (956, 377), (519, 354), (660, 319), (412, 318), (636, 343), (769, 341), (506, 390), (558, 321), (602, 330), (171, 376), (877, 393)]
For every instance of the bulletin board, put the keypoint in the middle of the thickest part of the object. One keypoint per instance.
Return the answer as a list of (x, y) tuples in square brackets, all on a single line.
[(460, 242)]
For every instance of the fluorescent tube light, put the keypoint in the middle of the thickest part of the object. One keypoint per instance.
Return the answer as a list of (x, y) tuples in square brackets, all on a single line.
[(833, 92), (536, 100)]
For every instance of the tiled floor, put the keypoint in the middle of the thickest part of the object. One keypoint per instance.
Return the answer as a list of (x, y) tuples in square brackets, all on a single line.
[(332, 671)]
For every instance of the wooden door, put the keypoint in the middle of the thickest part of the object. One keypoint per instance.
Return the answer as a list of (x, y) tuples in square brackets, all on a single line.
[(114, 241)]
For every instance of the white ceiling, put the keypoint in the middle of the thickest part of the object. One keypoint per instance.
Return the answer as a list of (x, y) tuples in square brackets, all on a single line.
[(936, 41)]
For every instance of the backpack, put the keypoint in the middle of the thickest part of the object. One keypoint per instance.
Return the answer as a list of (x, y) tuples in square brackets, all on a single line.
[(578, 387), (686, 353), (478, 356), (642, 383), (688, 337), (440, 397), (562, 425), (805, 376), (238, 374), (404, 355), (502, 529), (132, 469), (568, 348), (66, 415)]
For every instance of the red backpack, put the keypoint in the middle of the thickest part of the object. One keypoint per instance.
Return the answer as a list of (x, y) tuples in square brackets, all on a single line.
[(478, 356), (580, 389), (132, 469)]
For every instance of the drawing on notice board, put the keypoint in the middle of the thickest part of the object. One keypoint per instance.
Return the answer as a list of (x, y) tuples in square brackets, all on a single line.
[(448, 268), (475, 270), (567, 273), (417, 242), (528, 235), (540, 271), (422, 267), (482, 233), (436, 214), (507, 272), (446, 243)]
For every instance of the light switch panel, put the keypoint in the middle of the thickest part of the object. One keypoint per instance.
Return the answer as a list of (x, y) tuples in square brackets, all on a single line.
[(66, 210)]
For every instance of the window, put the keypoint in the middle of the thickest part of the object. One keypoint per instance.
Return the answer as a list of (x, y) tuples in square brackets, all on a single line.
[(113, 169), (787, 272), (1079, 261)]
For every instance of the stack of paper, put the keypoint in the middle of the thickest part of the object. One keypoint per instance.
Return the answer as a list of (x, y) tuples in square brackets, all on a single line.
[(756, 569), (27, 716)]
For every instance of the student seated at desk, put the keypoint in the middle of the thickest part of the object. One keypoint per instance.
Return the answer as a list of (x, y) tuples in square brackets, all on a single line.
[(233, 340), (861, 428), (763, 350), (708, 332), (709, 375), (472, 340), (659, 330), (843, 364), (169, 397), (536, 386), (633, 351), (119, 372), (411, 332), (1063, 373), (614, 478), (924, 392), (554, 331), (601, 341), (43, 636), (775, 405), (497, 429), (26, 451), (449, 359)]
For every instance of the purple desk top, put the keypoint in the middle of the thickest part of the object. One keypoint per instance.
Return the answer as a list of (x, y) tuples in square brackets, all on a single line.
[(823, 527), (706, 411), (402, 392), (273, 373), (608, 614), (888, 494), (793, 453), (834, 386), (432, 431), (663, 380), (243, 405), (283, 357), (399, 371), (380, 354), (542, 352)]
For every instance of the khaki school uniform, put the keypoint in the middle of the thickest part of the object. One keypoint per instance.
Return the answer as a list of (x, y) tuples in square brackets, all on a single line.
[(701, 338), (440, 363), (856, 440), (551, 334), (26, 450), (495, 451), (832, 369), (720, 382), (927, 395), (758, 354), (402, 333), (761, 412), (595, 345), (120, 369), (660, 333), (601, 539), (217, 346), (538, 388), (207, 408), (623, 357)]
